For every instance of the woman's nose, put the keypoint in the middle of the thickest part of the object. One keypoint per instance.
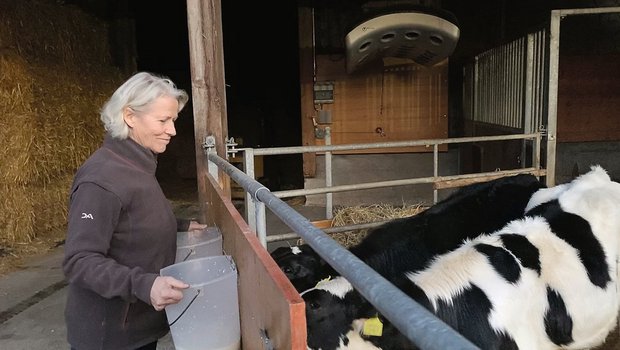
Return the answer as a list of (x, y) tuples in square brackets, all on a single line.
[(170, 129)]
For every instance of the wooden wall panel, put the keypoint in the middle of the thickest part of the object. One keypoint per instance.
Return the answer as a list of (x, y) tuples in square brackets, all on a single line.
[(589, 98), (267, 299), (393, 102)]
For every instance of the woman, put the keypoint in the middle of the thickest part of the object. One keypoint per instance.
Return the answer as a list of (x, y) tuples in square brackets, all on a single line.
[(121, 229)]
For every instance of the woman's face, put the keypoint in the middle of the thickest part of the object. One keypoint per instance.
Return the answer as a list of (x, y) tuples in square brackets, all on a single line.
[(154, 127)]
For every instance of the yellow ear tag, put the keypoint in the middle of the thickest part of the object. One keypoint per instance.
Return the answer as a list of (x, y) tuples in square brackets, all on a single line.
[(373, 327)]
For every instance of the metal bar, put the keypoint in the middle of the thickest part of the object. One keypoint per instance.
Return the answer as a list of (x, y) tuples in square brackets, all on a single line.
[(354, 187), (552, 113), (328, 175), (527, 103), (418, 324), (536, 153), (213, 170), (435, 169), (529, 85), (540, 81), (586, 11), (477, 90), (520, 88), (261, 224), (402, 182), (248, 167), (349, 147)]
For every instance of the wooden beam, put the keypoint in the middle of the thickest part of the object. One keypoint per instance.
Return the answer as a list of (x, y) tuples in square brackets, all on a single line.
[(443, 184), (204, 23), (306, 77)]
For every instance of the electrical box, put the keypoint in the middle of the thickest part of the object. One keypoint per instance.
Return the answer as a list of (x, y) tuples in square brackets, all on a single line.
[(323, 92)]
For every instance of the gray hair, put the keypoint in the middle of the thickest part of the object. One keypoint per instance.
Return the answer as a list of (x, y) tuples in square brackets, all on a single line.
[(137, 93)]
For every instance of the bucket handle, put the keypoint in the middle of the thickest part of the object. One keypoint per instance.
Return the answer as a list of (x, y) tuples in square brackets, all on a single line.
[(187, 307), (190, 251)]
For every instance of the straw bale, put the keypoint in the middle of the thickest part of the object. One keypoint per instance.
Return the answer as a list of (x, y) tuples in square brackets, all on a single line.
[(15, 107), (50, 34), (28, 210), (362, 214), (57, 134), (50, 207), (16, 214), (55, 74), (56, 129), (68, 127), (15, 83)]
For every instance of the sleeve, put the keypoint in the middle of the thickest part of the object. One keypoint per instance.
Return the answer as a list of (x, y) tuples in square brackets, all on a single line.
[(182, 225), (93, 215)]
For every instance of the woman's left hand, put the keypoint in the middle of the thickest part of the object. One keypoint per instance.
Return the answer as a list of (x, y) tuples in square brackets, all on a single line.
[(166, 290), (195, 226)]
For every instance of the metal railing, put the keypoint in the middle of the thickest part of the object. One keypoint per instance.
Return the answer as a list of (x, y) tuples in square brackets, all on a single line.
[(255, 213), (507, 85), (417, 323)]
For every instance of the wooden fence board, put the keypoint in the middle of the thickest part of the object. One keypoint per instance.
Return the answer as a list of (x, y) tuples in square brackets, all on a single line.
[(267, 299)]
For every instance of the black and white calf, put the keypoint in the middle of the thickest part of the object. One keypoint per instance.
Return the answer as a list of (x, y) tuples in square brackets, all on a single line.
[(301, 265), (545, 281), (411, 244)]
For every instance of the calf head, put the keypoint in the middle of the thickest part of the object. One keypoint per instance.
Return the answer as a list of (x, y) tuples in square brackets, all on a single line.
[(301, 265), (331, 308)]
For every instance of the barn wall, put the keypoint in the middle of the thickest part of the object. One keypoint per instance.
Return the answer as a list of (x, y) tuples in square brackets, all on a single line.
[(574, 158), (588, 99), (388, 101), (392, 102)]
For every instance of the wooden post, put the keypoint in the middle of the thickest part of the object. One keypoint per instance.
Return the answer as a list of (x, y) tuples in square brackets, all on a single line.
[(204, 22), (306, 75)]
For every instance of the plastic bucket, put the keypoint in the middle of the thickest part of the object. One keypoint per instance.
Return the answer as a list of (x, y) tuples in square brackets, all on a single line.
[(207, 318), (198, 244)]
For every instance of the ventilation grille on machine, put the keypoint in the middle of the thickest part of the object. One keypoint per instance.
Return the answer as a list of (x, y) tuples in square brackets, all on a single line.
[(424, 38)]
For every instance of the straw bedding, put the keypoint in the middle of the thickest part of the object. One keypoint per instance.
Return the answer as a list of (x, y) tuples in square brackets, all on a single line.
[(55, 74), (361, 214)]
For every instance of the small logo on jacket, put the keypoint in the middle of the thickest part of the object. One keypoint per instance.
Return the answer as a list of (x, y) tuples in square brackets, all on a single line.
[(87, 216)]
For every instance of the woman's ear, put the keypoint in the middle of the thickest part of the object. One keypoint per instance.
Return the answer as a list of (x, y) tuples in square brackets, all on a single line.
[(129, 116)]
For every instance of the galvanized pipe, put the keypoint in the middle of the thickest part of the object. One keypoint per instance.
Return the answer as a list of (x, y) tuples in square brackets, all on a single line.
[(329, 197), (552, 114), (362, 146), (261, 223), (248, 167), (414, 321), (435, 169), (403, 182)]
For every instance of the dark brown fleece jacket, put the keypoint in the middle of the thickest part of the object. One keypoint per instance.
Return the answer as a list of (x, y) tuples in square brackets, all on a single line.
[(121, 232)]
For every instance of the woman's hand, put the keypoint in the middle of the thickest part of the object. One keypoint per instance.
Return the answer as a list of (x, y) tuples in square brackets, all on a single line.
[(195, 226), (166, 290)]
